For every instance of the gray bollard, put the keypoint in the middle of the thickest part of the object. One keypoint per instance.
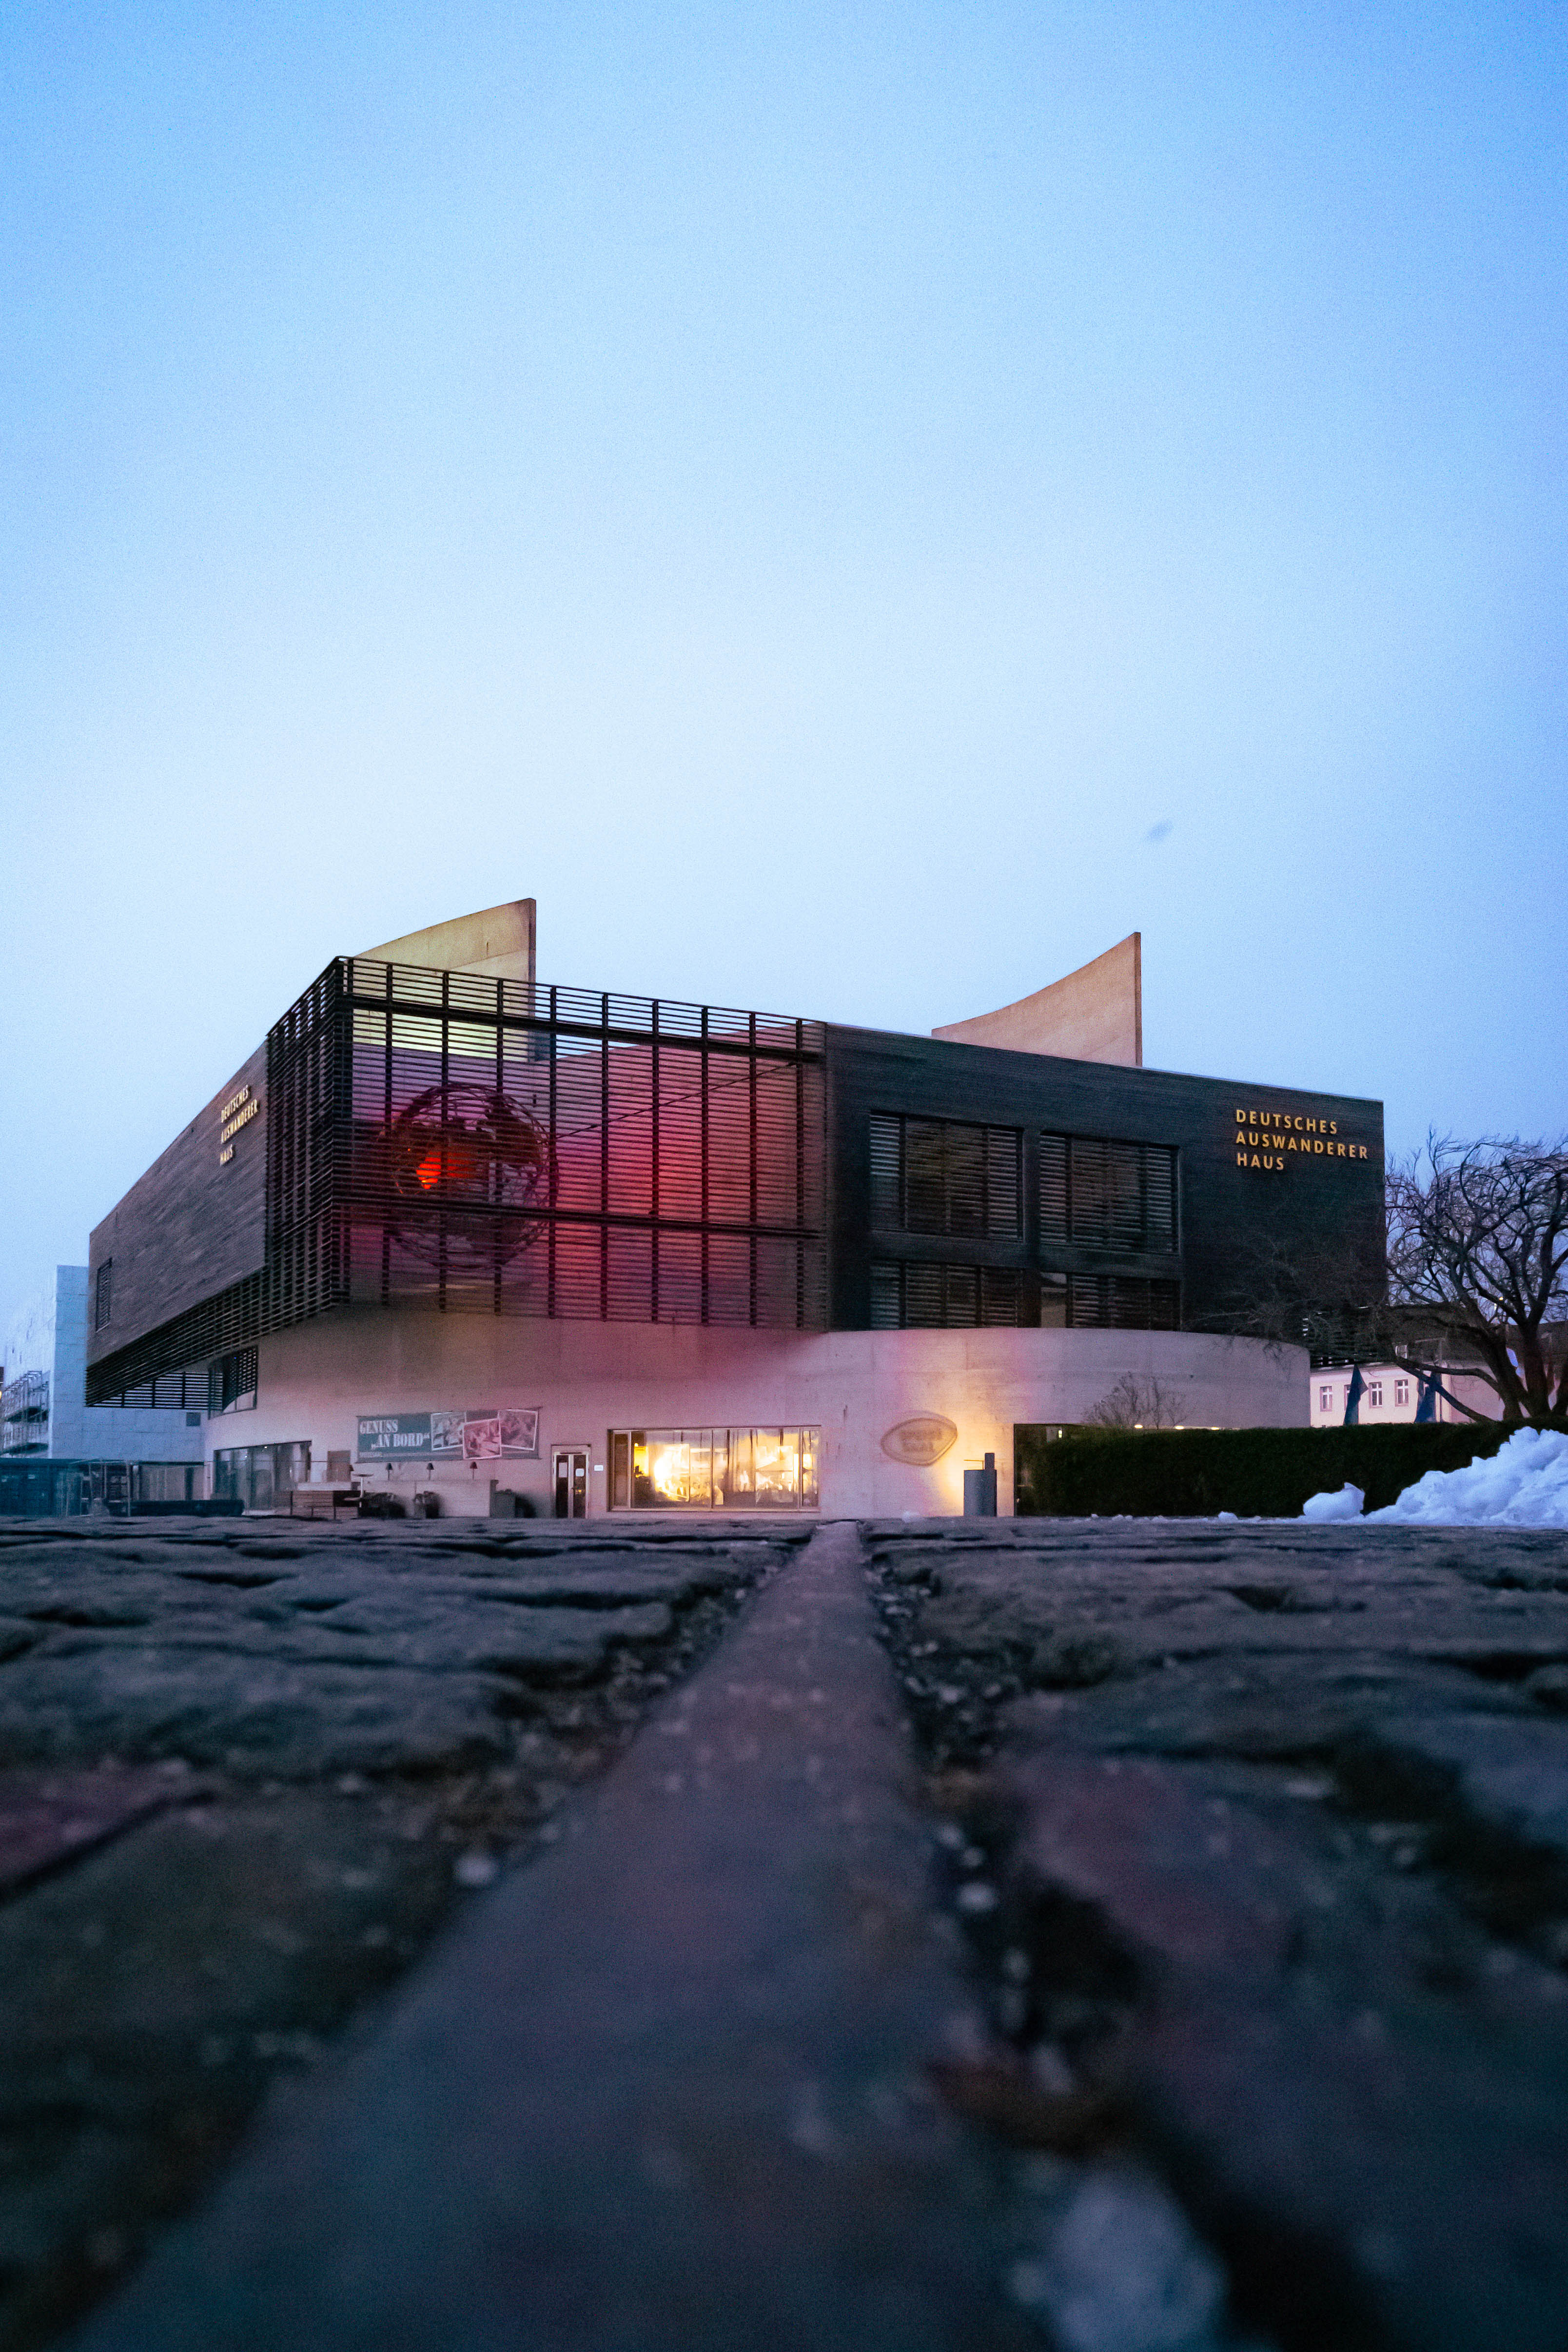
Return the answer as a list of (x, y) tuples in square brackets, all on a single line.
[(980, 1491)]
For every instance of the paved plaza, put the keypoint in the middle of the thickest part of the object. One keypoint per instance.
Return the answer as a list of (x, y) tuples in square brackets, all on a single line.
[(1129, 1937)]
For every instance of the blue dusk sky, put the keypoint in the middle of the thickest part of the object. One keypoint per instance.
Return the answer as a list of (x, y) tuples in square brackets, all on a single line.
[(854, 509)]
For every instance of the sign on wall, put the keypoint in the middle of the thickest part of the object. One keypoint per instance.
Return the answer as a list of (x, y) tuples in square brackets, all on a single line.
[(483, 1433), (921, 1440), (1270, 1139), (237, 1112)]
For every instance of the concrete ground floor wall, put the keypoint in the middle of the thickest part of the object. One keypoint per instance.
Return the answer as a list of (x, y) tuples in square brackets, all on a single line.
[(855, 1387)]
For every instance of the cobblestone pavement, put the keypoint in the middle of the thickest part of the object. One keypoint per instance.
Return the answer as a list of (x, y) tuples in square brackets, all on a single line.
[(1189, 1973), (249, 1768), (1260, 1836)]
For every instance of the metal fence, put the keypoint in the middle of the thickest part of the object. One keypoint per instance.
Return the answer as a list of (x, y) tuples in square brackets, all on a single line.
[(44, 1488)]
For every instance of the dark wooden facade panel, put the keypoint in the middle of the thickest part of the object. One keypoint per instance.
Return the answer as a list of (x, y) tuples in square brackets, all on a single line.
[(190, 1226), (1226, 1214)]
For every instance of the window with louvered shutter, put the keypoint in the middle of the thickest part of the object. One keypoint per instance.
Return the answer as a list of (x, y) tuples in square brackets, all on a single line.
[(887, 1298), (1114, 1302), (1099, 1194), (1164, 1307), (910, 1295), (926, 1209), (944, 1176), (887, 1152), (925, 1297), (1004, 1173), (1001, 1288), (1056, 1222)]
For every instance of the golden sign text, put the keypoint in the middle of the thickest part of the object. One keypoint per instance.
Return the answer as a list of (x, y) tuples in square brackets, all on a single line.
[(1264, 1138)]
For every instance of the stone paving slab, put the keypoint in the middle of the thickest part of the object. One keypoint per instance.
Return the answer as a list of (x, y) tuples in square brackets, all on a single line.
[(310, 1649), (1212, 1876), (1299, 2056), (250, 1772), (667, 2090), (1266, 1865), (50, 1818)]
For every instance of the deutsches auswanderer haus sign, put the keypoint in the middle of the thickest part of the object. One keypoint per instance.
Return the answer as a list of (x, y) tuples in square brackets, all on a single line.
[(1269, 1140)]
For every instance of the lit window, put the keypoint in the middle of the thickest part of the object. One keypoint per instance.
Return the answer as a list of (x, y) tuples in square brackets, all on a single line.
[(1400, 1391), (1375, 1395), (718, 1469)]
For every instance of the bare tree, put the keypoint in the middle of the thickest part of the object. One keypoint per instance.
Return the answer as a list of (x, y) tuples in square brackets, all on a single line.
[(1322, 1288), (1477, 1269), (1471, 1277), (1130, 1405)]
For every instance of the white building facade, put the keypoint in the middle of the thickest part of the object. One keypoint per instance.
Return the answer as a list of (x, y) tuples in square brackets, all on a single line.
[(1390, 1394), (42, 1407)]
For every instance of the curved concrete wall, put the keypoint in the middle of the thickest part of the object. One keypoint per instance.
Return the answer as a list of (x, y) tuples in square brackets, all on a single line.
[(499, 943), (1095, 1014), (589, 1378)]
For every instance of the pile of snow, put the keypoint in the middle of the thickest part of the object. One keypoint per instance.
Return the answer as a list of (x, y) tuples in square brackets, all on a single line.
[(1523, 1485), (1346, 1505)]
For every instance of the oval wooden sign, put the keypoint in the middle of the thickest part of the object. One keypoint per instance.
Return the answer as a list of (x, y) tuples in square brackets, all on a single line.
[(921, 1440)]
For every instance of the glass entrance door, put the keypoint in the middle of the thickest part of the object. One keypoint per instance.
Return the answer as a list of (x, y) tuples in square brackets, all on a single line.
[(571, 1482)]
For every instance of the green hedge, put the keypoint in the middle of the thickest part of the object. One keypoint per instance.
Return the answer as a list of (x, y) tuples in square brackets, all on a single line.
[(1181, 1473)]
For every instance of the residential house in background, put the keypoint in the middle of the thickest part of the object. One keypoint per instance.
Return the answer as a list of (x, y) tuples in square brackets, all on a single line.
[(1390, 1394)]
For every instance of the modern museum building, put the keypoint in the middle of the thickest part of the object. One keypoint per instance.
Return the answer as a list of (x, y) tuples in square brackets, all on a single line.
[(461, 1233)]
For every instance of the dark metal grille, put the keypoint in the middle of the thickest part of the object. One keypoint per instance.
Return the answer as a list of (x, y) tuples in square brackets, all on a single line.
[(185, 1345), (944, 1176), (1097, 1192), (555, 1152), (437, 1138), (166, 1392)]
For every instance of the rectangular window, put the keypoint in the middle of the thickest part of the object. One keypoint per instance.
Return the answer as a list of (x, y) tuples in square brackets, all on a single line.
[(1098, 1193), (231, 1382), (943, 1176), (714, 1469), (1401, 1393), (913, 1296), (1116, 1302), (1325, 1400), (909, 1295), (165, 1481), (103, 1294), (262, 1477), (1374, 1394)]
